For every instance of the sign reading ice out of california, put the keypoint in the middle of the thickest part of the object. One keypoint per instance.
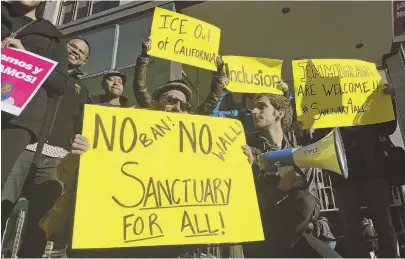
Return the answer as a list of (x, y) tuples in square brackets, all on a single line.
[(184, 39)]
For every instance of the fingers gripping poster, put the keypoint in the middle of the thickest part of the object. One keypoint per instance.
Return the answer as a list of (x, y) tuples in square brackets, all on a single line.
[(155, 178), (339, 92)]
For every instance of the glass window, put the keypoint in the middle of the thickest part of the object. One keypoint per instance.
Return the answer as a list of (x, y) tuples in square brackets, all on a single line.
[(98, 6), (93, 85), (112, 4), (73, 10), (132, 34), (82, 9), (67, 13), (199, 81), (101, 42)]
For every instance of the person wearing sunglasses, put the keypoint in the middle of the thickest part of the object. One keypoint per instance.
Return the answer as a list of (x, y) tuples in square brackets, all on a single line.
[(174, 96), (145, 100)]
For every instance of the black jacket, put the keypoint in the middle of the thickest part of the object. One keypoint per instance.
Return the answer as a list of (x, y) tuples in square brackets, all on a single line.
[(44, 39), (69, 117), (266, 181)]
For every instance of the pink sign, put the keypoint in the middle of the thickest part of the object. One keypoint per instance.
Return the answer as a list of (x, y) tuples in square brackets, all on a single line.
[(22, 74), (399, 20)]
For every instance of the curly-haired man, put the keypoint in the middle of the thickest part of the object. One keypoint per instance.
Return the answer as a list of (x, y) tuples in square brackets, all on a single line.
[(286, 204)]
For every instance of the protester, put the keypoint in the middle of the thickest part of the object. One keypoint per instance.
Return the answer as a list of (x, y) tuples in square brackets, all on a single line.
[(23, 27), (42, 187), (219, 92), (286, 205), (174, 96), (113, 84), (144, 99), (363, 146)]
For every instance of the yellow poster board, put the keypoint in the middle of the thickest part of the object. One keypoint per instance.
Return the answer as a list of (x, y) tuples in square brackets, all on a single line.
[(156, 178), (253, 75), (339, 92), (183, 39)]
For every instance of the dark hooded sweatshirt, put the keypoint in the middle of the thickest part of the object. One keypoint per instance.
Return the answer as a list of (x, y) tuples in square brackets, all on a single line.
[(69, 118), (41, 38)]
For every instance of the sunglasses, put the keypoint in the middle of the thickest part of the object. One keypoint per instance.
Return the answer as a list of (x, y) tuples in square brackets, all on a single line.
[(173, 100)]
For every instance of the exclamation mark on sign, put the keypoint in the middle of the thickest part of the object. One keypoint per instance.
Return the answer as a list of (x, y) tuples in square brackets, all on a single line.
[(33, 80), (222, 222), (171, 121), (375, 85)]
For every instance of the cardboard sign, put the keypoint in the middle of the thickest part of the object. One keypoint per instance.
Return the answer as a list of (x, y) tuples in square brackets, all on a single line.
[(22, 74), (398, 16), (156, 178), (183, 39), (253, 75), (338, 93)]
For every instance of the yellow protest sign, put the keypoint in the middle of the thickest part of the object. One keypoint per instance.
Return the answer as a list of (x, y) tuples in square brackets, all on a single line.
[(338, 92), (253, 75), (155, 178), (183, 39)]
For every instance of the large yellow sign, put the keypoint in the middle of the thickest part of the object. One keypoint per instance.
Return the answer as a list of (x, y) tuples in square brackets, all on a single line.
[(253, 75), (155, 178), (337, 92), (183, 39)]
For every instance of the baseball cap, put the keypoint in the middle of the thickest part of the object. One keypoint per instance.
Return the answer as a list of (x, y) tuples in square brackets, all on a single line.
[(173, 85), (115, 72)]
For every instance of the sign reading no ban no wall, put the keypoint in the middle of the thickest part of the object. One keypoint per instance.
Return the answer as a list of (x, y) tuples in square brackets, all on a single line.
[(156, 178)]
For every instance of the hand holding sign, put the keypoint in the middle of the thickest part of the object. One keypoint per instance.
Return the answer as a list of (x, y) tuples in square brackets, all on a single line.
[(154, 189), (146, 46), (12, 43), (184, 39), (80, 144)]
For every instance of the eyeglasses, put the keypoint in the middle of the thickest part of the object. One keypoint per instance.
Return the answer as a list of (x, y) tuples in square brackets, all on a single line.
[(173, 100), (74, 47)]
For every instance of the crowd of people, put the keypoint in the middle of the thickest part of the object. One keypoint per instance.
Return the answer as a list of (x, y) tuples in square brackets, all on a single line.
[(41, 151)]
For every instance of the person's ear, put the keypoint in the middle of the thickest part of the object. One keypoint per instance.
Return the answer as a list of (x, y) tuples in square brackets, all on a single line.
[(279, 115)]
